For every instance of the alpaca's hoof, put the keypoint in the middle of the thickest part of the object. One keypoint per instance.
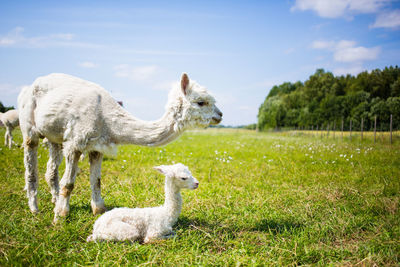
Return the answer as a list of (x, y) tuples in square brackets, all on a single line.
[(63, 213), (35, 211), (33, 206), (57, 219), (99, 210), (98, 207), (147, 240), (60, 212), (60, 217), (54, 200)]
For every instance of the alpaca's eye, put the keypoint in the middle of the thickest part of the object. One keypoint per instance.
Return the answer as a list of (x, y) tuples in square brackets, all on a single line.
[(201, 103), (184, 178)]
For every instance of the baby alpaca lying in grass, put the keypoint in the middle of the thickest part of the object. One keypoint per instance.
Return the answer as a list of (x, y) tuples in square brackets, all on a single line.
[(147, 224)]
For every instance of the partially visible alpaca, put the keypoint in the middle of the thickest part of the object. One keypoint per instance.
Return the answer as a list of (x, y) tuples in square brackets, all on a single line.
[(10, 120), (78, 116), (147, 224)]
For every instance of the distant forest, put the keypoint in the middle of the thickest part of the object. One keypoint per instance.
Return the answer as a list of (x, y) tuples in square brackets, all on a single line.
[(325, 100), (4, 108)]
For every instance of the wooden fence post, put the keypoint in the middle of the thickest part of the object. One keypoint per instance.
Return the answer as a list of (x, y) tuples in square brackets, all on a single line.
[(342, 128), (321, 130), (362, 126), (350, 129), (391, 120), (375, 130), (327, 130), (334, 128)]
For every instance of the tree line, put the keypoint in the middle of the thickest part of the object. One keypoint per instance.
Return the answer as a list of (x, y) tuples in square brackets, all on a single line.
[(325, 99), (4, 108)]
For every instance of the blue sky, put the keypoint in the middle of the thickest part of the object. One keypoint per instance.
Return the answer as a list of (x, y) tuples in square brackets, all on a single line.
[(237, 49)]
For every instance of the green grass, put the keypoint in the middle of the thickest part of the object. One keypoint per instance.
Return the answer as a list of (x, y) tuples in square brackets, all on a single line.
[(264, 199)]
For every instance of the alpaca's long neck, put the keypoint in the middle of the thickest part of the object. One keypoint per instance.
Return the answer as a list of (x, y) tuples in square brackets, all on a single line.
[(173, 201), (126, 129)]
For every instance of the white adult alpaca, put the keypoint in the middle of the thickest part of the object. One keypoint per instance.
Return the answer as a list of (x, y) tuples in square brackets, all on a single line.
[(10, 121), (78, 116), (147, 224)]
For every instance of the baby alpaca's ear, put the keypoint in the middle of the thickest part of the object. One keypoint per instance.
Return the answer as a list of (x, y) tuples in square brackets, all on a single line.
[(162, 169)]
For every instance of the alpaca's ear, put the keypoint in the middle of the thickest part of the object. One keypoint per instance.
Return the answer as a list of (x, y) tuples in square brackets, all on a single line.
[(162, 169), (185, 83)]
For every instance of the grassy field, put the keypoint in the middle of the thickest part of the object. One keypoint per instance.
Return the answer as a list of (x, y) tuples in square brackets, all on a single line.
[(263, 199), (366, 137)]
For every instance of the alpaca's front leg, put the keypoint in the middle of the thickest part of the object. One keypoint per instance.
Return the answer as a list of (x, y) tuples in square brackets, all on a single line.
[(5, 138), (55, 158), (10, 138), (31, 172), (67, 185), (159, 235), (97, 203)]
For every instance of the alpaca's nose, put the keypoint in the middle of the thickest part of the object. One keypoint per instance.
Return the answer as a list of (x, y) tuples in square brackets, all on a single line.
[(196, 185)]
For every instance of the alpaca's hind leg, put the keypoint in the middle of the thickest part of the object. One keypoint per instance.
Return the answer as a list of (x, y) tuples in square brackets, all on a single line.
[(31, 172), (67, 184), (97, 203), (10, 138), (6, 137), (55, 158)]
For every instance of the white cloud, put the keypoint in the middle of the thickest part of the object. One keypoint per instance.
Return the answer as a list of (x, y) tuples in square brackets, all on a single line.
[(12, 37), (348, 54), (289, 51), (367, 6), (88, 64), (356, 54), (347, 51), (390, 19), (248, 108), (339, 8), (327, 9), (353, 70), (16, 38), (323, 45), (63, 36), (165, 85), (9, 94), (142, 73)]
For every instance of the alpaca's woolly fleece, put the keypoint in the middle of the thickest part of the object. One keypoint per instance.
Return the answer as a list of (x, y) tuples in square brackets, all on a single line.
[(78, 117), (10, 120), (147, 224)]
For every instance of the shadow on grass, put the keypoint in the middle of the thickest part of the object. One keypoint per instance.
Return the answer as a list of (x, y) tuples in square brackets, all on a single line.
[(80, 208), (86, 208), (185, 222), (273, 227), (105, 158), (277, 226)]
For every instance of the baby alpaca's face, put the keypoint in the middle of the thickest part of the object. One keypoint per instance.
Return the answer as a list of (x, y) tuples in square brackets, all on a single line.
[(185, 179)]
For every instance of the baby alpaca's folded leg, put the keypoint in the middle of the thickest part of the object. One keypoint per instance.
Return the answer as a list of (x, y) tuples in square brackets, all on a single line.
[(152, 236), (116, 231)]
